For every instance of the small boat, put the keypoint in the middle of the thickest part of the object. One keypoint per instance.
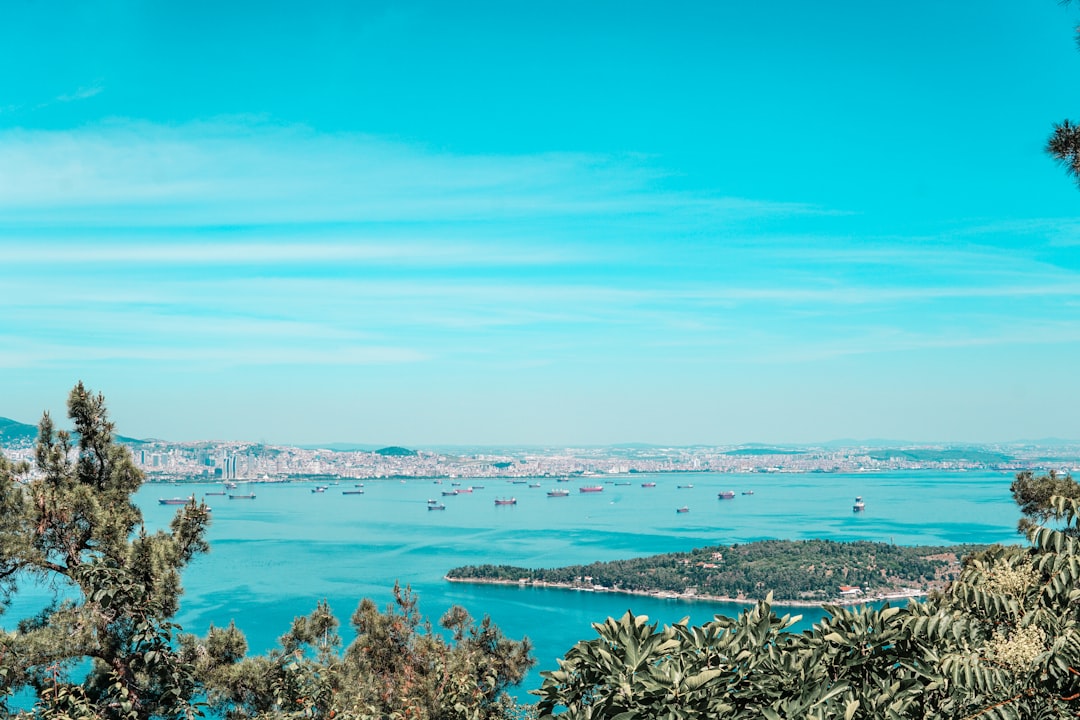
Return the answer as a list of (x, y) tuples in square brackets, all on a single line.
[(432, 501), (465, 491), (175, 501), (726, 494), (455, 483), (558, 493), (215, 492), (247, 496), (859, 505), (591, 488), (449, 493), (563, 479), (477, 487), (683, 509), (359, 484), (519, 482), (506, 501), (685, 487), (352, 492), (319, 488), (437, 506), (623, 483), (648, 484), (230, 485), (747, 492), (534, 485)]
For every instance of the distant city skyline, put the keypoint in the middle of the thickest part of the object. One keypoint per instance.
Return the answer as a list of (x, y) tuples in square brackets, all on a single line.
[(431, 224)]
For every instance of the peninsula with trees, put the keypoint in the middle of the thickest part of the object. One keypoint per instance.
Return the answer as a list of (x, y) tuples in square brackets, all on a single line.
[(792, 572)]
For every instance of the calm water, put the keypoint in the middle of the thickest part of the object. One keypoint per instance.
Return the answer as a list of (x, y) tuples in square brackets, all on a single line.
[(273, 558)]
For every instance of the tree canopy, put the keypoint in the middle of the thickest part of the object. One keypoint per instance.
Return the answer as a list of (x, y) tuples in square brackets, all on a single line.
[(72, 525), (1064, 142)]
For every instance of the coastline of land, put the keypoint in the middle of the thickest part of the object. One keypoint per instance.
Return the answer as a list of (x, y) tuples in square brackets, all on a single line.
[(695, 597), (798, 573), (211, 460)]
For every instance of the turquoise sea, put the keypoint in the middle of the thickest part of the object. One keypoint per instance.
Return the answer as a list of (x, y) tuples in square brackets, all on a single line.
[(274, 557)]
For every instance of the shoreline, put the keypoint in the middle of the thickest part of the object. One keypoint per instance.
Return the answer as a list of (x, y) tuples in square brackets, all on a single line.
[(694, 597)]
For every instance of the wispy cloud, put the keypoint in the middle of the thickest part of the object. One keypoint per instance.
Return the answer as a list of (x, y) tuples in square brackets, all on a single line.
[(399, 252), (83, 93), (252, 172), (41, 355), (1012, 332)]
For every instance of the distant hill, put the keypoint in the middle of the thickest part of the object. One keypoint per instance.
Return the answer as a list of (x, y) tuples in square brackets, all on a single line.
[(340, 447), (395, 451), (13, 432), (764, 451)]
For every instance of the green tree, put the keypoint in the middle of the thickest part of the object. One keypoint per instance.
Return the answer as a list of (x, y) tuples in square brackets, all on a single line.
[(1035, 493), (398, 666), (1064, 142), (1064, 146), (70, 524)]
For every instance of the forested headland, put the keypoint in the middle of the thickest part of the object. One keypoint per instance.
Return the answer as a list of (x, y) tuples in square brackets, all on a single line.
[(790, 570)]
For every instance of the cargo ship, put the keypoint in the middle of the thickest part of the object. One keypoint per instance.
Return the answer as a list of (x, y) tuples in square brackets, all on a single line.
[(591, 488)]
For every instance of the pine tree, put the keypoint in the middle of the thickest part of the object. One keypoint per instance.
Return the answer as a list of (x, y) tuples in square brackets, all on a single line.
[(1064, 142), (104, 647)]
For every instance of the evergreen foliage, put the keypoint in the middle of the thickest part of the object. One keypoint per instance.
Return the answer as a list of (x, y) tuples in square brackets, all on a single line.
[(72, 525), (1034, 494), (1064, 143), (398, 666)]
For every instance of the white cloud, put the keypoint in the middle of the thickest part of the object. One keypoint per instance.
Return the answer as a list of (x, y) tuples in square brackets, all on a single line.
[(44, 355), (398, 252), (83, 93), (130, 173)]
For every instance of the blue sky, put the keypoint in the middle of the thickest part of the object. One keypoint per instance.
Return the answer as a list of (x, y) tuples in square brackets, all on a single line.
[(557, 223)]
